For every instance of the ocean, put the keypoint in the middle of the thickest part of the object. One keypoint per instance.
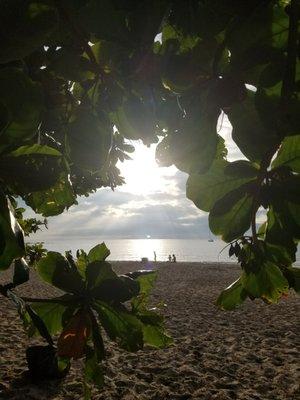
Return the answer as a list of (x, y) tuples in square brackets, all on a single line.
[(191, 250)]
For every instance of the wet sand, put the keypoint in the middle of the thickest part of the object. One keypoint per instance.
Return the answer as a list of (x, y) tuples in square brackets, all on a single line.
[(248, 354)]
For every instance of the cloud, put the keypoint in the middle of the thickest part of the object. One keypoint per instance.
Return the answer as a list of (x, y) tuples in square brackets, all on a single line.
[(153, 202), (122, 214)]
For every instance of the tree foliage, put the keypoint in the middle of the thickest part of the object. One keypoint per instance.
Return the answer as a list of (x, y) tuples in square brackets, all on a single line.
[(80, 78)]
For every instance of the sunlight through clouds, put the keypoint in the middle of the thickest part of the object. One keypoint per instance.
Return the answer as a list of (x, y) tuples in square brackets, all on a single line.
[(151, 202), (143, 175)]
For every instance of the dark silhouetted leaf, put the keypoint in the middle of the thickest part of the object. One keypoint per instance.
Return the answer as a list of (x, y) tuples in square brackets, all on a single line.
[(43, 363), (231, 215), (267, 283), (25, 26), (120, 326), (23, 99), (52, 314), (205, 190), (292, 274), (98, 253), (54, 200), (11, 235), (289, 154), (119, 289), (92, 369), (97, 272), (56, 270), (39, 324), (21, 272)]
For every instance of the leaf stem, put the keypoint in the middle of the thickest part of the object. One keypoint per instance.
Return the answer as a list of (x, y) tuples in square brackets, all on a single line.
[(253, 224)]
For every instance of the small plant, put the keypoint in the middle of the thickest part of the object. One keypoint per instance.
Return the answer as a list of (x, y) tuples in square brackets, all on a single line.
[(34, 252), (96, 300)]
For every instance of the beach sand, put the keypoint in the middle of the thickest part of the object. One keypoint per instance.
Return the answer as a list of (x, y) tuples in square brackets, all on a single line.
[(248, 354)]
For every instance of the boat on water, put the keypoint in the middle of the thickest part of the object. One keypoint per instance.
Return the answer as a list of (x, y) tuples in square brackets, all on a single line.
[(210, 240)]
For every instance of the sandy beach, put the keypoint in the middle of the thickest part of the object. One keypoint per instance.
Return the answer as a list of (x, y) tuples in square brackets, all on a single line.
[(248, 354)]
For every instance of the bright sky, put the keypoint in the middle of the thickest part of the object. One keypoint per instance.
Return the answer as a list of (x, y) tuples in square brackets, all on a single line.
[(152, 203), (143, 176)]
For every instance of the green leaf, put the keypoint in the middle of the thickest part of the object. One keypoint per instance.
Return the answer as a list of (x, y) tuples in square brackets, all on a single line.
[(104, 20), (267, 283), (98, 253), (117, 290), (135, 120), (254, 25), (193, 148), (97, 272), (89, 139), (205, 190), (11, 235), (292, 274), (241, 169), (294, 210), (39, 324), (98, 341), (56, 270), (35, 149), (155, 336), (280, 255), (248, 131), (23, 99), (231, 215), (120, 326), (268, 102), (146, 281), (51, 314), (54, 200), (232, 297), (289, 154), (92, 370), (25, 27), (21, 272), (31, 168), (63, 65)]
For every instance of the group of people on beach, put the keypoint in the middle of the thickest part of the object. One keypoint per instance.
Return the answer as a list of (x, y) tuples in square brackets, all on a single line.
[(171, 258)]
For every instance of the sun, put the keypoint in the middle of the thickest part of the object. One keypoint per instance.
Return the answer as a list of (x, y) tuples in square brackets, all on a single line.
[(142, 174)]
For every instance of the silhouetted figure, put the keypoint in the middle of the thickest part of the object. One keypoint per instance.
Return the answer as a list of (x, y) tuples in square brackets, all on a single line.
[(173, 258), (170, 257), (155, 258)]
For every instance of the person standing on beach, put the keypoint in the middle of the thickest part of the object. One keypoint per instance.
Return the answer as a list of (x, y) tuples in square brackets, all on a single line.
[(170, 257), (154, 256), (174, 258)]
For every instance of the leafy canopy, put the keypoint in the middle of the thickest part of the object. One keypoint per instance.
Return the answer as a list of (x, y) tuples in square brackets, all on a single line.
[(80, 78)]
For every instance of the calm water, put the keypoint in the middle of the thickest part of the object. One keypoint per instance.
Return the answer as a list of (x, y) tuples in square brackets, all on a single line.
[(134, 249)]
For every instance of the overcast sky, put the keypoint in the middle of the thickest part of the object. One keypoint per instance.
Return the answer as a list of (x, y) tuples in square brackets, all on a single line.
[(152, 203)]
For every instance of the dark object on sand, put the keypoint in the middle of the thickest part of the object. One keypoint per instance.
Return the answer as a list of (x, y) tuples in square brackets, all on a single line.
[(43, 363)]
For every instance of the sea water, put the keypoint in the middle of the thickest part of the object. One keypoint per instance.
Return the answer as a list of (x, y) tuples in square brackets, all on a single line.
[(190, 250)]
